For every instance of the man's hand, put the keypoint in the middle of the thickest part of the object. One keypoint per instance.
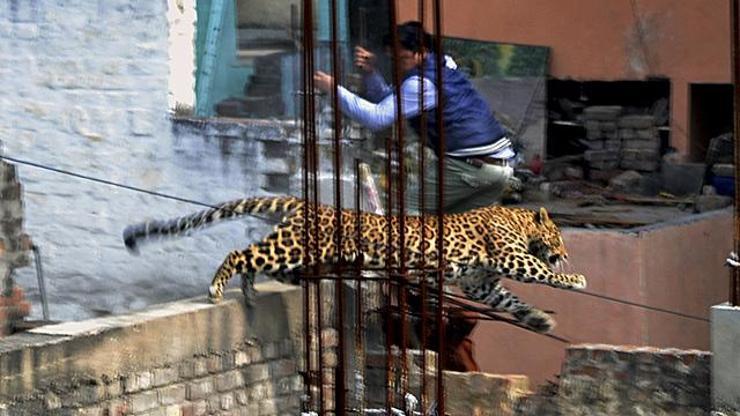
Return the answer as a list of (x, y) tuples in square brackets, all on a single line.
[(364, 59), (323, 81)]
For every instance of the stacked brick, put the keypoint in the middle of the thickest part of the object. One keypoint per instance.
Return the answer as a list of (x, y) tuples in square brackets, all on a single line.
[(640, 143), (620, 141), (252, 381), (602, 137), (14, 246)]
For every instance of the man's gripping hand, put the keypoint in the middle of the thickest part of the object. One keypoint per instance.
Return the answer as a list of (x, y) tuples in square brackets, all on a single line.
[(364, 59)]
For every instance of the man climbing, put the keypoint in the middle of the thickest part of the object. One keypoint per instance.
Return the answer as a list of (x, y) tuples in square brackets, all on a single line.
[(478, 155)]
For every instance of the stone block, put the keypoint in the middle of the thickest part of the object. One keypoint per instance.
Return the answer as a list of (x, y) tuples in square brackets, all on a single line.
[(723, 169), (164, 376), (602, 113), (600, 155), (255, 373), (137, 382), (200, 389), (593, 125), (173, 394), (627, 134), (282, 368), (229, 381), (227, 401), (637, 121), (626, 181), (594, 134), (143, 401), (725, 337), (613, 145), (646, 134), (483, 394), (608, 126), (640, 165), (682, 178), (637, 144), (704, 203)]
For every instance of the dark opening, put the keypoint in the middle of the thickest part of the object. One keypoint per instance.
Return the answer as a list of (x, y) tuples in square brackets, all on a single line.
[(710, 116), (568, 98)]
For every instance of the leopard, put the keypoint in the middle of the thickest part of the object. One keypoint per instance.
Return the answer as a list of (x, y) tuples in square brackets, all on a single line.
[(479, 248)]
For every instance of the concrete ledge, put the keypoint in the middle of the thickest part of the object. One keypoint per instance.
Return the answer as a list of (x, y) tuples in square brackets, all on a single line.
[(726, 359), (168, 333)]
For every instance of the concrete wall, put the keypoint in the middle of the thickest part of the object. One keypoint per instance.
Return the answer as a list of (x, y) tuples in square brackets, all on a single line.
[(687, 41), (677, 266)]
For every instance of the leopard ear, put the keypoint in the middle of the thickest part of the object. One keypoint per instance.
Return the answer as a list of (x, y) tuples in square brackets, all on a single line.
[(542, 216)]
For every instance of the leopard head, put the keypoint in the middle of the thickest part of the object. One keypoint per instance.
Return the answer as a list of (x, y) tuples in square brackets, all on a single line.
[(545, 240)]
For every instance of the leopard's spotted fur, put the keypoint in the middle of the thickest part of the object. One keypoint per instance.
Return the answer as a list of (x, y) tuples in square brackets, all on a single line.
[(480, 246)]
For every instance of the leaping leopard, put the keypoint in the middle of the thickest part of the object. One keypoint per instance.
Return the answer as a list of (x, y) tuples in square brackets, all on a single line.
[(480, 247)]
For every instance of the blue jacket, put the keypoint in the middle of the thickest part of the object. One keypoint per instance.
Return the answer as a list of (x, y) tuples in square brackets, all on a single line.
[(468, 120)]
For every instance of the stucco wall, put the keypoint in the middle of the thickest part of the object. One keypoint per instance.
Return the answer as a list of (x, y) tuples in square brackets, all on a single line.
[(677, 266), (686, 41)]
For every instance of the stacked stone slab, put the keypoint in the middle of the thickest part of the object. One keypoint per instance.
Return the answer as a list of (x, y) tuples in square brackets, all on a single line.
[(13, 249), (602, 136), (640, 143)]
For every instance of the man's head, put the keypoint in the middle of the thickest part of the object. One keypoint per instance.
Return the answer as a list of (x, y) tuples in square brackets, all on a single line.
[(413, 43)]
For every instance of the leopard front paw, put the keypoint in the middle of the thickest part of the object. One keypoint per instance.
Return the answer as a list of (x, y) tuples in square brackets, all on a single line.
[(577, 281), (536, 320), (568, 281)]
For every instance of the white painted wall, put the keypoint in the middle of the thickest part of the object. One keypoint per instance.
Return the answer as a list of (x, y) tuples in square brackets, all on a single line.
[(86, 87)]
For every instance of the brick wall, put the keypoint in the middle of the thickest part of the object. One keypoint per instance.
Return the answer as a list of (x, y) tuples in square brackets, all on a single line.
[(14, 247), (187, 358), (624, 380)]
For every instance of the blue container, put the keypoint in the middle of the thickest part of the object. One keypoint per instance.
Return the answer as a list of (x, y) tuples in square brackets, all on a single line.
[(725, 185)]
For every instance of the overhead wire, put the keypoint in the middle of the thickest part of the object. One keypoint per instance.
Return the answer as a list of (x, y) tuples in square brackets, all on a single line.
[(203, 204)]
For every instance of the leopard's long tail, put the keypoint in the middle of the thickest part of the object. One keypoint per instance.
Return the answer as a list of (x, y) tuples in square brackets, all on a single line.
[(134, 235)]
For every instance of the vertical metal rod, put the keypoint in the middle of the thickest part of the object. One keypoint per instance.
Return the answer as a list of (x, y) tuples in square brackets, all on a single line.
[(307, 126), (359, 321), (389, 272), (735, 278), (440, 206), (340, 399), (390, 251), (422, 221), (400, 192)]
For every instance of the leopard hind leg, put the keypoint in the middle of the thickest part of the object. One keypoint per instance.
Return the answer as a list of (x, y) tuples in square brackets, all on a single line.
[(257, 258), (489, 291)]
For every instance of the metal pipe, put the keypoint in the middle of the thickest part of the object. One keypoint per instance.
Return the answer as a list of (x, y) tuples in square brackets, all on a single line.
[(423, 137), (340, 398), (42, 286), (400, 196), (440, 205), (735, 277)]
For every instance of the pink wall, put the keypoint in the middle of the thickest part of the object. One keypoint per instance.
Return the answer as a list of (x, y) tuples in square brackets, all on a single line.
[(686, 41), (677, 267)]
